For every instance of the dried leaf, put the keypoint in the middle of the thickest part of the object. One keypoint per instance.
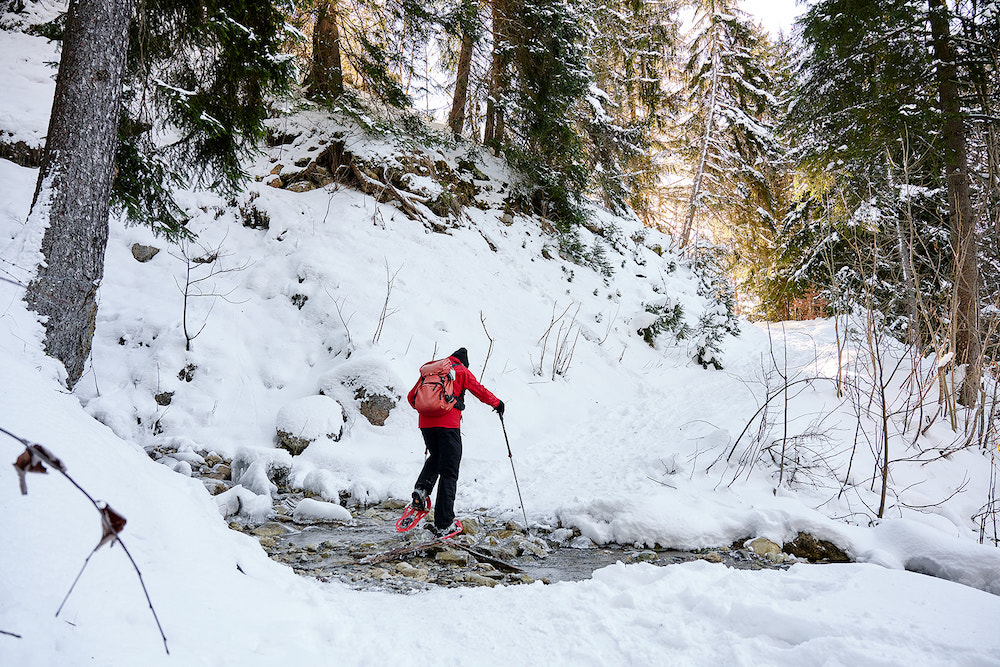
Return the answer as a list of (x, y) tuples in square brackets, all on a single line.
[(26, 463), (112, 523), (40, 454)]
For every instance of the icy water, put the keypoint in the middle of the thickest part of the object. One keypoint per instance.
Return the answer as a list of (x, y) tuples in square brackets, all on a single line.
[(501, 553)]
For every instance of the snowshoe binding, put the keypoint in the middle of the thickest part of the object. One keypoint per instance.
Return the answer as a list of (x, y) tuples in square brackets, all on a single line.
[(412, 516), (445, 533)]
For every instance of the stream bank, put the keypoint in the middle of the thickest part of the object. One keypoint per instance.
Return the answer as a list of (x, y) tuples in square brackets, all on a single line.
[(491, 551)]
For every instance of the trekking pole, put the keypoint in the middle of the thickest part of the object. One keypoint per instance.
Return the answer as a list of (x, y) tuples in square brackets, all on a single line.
[(517, 486)]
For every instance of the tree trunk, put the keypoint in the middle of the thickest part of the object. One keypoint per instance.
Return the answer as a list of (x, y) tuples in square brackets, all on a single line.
[(705, 144), (456, 119), (493, 136), (72, 197), (327, 75), (965, 245)]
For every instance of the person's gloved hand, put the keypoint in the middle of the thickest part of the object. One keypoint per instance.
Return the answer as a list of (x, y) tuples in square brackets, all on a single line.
[(499, 408), (459, 403)]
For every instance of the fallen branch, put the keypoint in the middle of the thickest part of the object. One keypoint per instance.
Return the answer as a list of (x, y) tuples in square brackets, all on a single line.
[(377, 189)]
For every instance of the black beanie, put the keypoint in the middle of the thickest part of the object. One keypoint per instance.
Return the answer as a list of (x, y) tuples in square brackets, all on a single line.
[(462, 355)]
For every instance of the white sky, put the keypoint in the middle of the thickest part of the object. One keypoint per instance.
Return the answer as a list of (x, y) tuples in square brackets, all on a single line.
[(774, 14)]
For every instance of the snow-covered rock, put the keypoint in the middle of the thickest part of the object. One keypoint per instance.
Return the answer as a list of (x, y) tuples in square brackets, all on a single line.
[(308, 419), (310, 509)]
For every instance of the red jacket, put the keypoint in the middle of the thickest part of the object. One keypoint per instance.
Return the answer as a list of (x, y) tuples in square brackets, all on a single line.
[(464, 379)]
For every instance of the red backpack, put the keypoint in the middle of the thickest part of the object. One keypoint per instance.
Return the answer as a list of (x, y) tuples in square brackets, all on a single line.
[(435, 389)]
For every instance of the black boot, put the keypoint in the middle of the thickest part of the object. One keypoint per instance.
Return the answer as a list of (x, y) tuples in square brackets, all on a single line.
[(419, 500)]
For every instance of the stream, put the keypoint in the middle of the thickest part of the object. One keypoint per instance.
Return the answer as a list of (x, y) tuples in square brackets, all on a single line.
[(490, 552)]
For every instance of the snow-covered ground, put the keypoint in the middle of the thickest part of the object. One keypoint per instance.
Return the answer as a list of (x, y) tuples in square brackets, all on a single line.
[(620, 446)]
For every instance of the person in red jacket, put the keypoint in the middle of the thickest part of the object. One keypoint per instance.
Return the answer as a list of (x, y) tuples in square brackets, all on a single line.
[(443, 439)]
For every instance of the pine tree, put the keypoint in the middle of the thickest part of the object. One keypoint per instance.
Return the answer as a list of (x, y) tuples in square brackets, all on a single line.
[(632, 50), (202, 70), (74, 181), (728, 138), (549, 80), (464, 23), (326, 74), (883, 115)]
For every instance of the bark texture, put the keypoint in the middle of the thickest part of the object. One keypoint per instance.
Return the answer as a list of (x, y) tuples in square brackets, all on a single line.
[(327, 72), (456, 119), (74, 182), (965, 243)]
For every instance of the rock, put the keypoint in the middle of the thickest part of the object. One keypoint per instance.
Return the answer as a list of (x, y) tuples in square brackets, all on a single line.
[(262, 472), (764, 547), (269, 529), (221, 471), (645, 557), (301, 186), (308, 419), (374, 407), (808, 547), (393, 504), (310, 509), (143, 253), (164, 398), (293, 444), (534, 546), (478, 580), (19, 152), (561, 535), (215, 487), (712, 557), (767, 549), (470, 526), (412, 572), (452, 557)]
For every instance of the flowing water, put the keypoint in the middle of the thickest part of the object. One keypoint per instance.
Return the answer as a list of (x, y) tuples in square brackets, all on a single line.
[(493, 552)]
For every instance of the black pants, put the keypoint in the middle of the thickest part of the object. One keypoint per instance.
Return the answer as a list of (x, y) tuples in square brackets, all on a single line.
[(444, 446)]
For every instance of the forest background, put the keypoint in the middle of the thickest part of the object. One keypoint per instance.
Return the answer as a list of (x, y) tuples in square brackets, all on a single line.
[(851, 164)]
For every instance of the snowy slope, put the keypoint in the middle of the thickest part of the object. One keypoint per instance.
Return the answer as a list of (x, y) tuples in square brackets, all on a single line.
[(617, 446)]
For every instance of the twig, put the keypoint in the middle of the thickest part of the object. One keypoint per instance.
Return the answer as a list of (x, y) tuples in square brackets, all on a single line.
[(389, 281), (482, 318), (34, 459)]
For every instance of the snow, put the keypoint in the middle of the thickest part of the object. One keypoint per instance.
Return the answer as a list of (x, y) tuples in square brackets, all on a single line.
[(628, 443), (310, 509), (311, 418)]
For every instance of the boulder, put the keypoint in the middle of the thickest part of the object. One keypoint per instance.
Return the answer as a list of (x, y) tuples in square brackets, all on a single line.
[(306, 420), (375, 407), (767, 549), (815, 550), (310, 509), (452, 557), (143, 253)]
